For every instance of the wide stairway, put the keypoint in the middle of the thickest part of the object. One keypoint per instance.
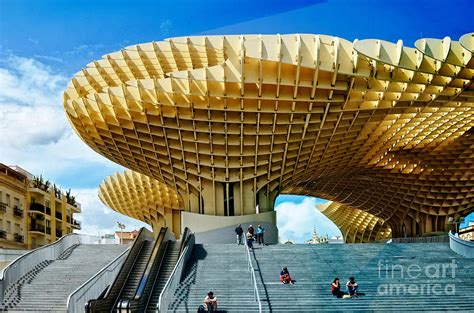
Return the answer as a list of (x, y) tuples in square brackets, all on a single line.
[(48, 286), (219, 268), (394, 277)]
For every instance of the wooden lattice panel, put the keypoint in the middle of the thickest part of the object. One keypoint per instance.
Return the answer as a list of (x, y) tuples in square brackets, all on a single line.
[(232, 121), (140, 197), (356, 226)]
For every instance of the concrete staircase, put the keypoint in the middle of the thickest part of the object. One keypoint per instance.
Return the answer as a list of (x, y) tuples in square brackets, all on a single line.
[(223, 269), (170, 258), (47, 287), (220, 268)]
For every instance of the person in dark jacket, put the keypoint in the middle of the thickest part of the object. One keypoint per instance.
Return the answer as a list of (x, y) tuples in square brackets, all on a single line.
[(239, 232)]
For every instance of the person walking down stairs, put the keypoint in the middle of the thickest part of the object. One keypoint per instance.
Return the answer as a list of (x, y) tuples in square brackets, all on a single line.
[(239, 232)]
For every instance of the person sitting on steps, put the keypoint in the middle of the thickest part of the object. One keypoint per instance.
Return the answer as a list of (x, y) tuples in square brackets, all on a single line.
[(285, 277), (336, 289), (210, 302), (352, 287)]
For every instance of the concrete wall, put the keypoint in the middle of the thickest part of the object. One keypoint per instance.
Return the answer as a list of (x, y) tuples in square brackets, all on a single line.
[(220, 229)]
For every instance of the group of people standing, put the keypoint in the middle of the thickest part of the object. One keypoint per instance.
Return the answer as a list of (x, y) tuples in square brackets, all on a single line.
[(251, 235)]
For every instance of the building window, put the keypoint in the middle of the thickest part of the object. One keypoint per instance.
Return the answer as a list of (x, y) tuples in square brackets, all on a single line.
[(9, 227), (8, 199), (17, 228), (1, 197), (16, 202)]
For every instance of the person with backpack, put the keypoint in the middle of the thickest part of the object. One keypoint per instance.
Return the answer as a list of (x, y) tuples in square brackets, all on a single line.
[(239, 232)]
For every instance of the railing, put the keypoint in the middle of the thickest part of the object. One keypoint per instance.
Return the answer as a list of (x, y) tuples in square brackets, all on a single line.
[(28, 261), (431, 239), (187, 245), (3, 206), (3, 234), (37, 207), (19, 238), (76, 223), (93, 287), (36, 227), (460, 246), (17, 211), (253, 279)]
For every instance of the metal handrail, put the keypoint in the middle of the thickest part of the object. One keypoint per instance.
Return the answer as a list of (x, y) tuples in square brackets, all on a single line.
[(188, 241), (23, 264), (253, 279), (421, 239), (87, 285), (184, 240)]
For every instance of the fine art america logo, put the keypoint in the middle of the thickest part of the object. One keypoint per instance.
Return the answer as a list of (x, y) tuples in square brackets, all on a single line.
[(413, 279)]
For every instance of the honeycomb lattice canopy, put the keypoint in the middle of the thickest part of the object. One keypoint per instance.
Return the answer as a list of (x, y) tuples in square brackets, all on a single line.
[(356, 226), (140, 197), (230, 122)]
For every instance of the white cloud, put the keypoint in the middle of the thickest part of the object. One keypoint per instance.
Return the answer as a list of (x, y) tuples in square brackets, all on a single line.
[(34, 131), (166, 26), (35, 134), (296, 221), (97, 219)]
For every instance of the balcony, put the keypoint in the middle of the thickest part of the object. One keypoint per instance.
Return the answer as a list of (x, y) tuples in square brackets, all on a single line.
[(17, 212), (3, 207), (37, 207), (3, 234), (19, 238), (36, 216), (76, 224), (36, 227)]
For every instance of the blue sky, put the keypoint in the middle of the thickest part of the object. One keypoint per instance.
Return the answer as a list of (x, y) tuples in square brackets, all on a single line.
[(43, 43)]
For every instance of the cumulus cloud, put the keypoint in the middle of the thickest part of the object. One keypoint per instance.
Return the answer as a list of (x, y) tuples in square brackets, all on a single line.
[(35, 134), (97, 219), (34, 131), (297, 219)]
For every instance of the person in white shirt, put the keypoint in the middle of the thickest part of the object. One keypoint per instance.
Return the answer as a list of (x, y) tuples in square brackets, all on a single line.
[(210, 302)]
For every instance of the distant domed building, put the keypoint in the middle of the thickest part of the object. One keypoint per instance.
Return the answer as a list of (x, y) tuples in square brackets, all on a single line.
[(315, 239)]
